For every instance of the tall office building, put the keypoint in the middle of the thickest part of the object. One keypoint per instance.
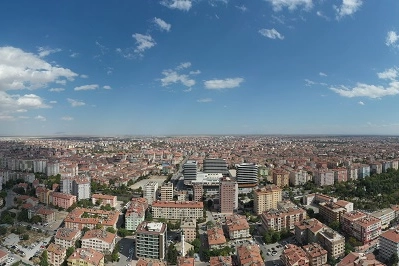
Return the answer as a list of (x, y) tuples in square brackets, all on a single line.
[(167, 192), (228, 195), (151, 240), (215, 165), (150, 191), (190, 171), (247, 174)]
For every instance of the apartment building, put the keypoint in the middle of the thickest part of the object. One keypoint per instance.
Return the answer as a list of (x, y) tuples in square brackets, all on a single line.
[(352, 172), (189, 228), (349, 218), (150, 191), (47, 215), (294, 255), (85, 257), (62, 200), (299, 177), (135, 213), (183, 261), (81, 188), (237, 226), (363, 171), (249, 255), (361, 226), (55, 254), (100, 240), (376, 168), (331, 241), (278, 220), (75, 220), (317, 198), (306, 231), (357, 259), (221, 261), (281, 178), (266, 198), (103, 200), (198, 191), (340, 175), (190, 171), (385, 215), (67, 237), (332, 211), (177, 210), (43, 194), (228, 195), (323, 177), (167, 192), (389, 243), (151, 240), (216, 237), (316, 254)]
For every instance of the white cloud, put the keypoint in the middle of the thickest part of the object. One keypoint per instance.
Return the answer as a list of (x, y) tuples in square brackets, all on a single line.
[(183, 65), (56, 89), (45, 51), (86, 87), (218, 84), (272, 34), (162, 25), (40, 118), (102, 48), (184, 5), (366, 90), (106, 87), (75, 103), (188, 89), (67, 118), (62, 82), (320, 14), (53, 102), (278, 5), (32, 101), (144, 42), (347, 8), (18, 104), (391, 39), (322, 74), (6, 118), (196, 72), (74, 55), (242, 8), (84, 76), (309, 82), (171, 76), (205, 100), (21, 111), (361, 103), (22, 70), (391, 74)]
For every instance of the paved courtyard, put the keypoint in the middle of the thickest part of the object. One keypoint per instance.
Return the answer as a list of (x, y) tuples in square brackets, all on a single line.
[(141, 183)]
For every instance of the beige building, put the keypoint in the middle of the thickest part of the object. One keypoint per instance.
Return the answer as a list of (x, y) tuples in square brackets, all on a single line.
[(294, 256), (103, 200), (316, 254), (333, 242), (266, 198), (237, 226), (167, 192), (282, 219), (105, 218), (86, 257), (385, 215), (56, 254), (281, 178), (67, 237), (189, 227), (100, 240), (221, 261), (177, 210)]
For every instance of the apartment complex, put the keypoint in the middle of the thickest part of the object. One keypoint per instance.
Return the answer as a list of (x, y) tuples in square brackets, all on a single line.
[(67, 237), (150, 191), (100, 240), (385, 215), (389, 243), (86, 257), (74, 219), (361, 226), (62, 200), (237, 226), (189, 228), (316, 254), (294, 255), (81, 188), (266, 198), (177, 210), (55, 254), (228, 195), (278, 220), (281, 178), (103, 200), (332, 211), (135, 213), (151, 240), (167, 192)]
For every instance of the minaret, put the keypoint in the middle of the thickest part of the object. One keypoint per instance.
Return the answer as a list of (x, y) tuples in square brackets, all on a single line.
[(182, 244)]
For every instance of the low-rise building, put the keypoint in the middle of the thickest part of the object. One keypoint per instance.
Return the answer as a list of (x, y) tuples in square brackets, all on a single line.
[(177, 210), (103, 200), (359, 259), (316, 254), (135, 213), (62, 200), (67, 237), (150, 262), (47, 215), (249, 255), (183, 261), (105, 218), (3, 257), (221, 261), (55, 254), (86, 257), (237, 226), (294, 256), (333, 242), (278, 220), (385, 215), (216, 237), (100, 240), (189, 227)]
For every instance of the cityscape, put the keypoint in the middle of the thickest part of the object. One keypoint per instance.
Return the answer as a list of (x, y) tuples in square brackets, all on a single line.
[(199, 133)]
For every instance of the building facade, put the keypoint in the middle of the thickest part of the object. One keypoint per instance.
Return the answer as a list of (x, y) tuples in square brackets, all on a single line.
[(177, 210), (150, 191), (266, 198), (151, 240), (228, 195)]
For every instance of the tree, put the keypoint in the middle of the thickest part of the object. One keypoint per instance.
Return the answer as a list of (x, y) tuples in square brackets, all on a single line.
[(394, 259), (78, 243), (196, 244), (122, 232), (3, 230), (111, 230), (69, 251), (43, 259), (171, 255), (36, 219), (25, 237), (23, 216), (335, 225)]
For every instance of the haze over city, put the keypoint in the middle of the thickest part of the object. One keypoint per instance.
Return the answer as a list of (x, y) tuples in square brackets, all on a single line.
[(199, 67)]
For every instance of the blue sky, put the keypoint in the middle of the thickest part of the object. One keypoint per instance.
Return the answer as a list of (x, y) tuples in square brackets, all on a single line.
[(199, 67)]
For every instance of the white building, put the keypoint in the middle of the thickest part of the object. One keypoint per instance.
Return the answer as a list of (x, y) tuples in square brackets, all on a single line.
[(385, 215), (99, 240), (299, 177), (177, 210), (389, 243), (81, 188), (190, 171), (53, 168), (67, 237), (150, 191), (247, 173), (39, 165)]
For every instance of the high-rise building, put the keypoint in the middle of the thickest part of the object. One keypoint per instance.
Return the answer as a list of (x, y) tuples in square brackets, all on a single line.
[(389, 243), (167, 192), (247, 174), (150, 191), (266, 198), (215, 165), (151, 240), (190, 171), (81, 188), (53, 168), (228, 195)]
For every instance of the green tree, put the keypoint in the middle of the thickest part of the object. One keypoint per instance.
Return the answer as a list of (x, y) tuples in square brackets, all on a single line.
[(43, 259), (69, 251), (111, 230), (276, 237), (171, 255), (36, 219), (196, 244), (394, 259), (122, 232), (23, 216), (335, 225), (25, 237), (3, 230)]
